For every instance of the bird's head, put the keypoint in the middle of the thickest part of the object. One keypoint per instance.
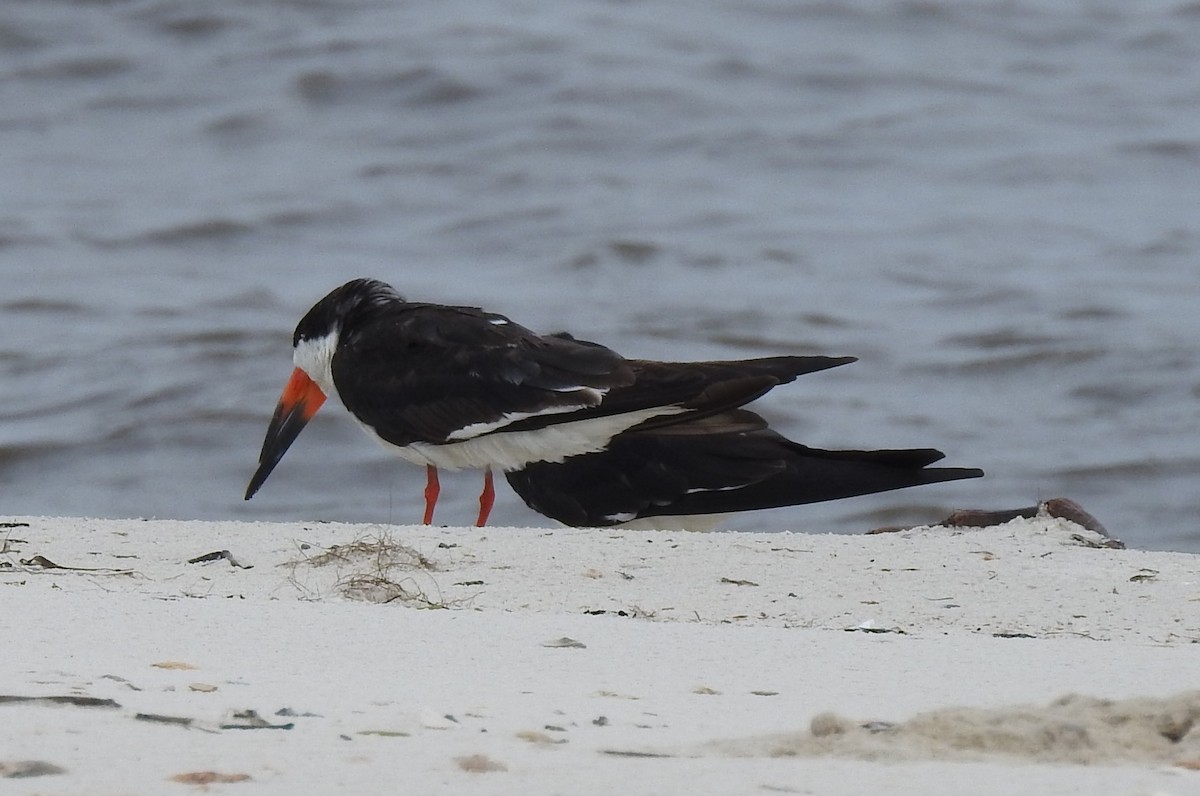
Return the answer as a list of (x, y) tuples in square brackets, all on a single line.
[(314, 343)]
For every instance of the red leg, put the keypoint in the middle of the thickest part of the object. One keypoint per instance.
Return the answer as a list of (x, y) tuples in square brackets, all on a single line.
[(432, 490), (486, 498)]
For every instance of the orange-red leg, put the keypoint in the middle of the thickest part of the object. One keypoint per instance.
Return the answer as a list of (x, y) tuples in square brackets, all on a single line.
[(486, 498), (432, 490)]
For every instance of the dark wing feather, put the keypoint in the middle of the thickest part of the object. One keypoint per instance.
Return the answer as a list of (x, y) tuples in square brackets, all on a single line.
[(700, 388), (420, 372), (725, 463)]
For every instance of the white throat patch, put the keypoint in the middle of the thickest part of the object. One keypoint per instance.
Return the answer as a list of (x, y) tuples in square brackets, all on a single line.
[(315, 357)]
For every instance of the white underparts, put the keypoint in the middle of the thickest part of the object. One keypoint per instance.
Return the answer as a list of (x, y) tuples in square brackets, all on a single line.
[(514, 449)]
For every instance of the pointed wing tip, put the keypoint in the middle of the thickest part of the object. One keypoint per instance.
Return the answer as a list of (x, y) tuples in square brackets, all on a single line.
[(954, 473)]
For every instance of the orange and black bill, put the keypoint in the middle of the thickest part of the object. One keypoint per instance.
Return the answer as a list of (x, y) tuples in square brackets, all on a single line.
[(300, 401)]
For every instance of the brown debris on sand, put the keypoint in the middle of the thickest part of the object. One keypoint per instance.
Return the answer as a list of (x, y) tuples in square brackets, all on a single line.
[(1062, 508), (1075, 729)]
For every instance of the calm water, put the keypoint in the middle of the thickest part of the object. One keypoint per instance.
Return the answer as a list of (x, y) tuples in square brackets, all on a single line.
[(994, 205)]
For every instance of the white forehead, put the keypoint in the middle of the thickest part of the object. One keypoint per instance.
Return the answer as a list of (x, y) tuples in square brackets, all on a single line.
[(315, 357)]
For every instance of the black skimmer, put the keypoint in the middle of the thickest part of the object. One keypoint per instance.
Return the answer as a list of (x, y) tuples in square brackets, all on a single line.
[(715, 465), (458, 387)]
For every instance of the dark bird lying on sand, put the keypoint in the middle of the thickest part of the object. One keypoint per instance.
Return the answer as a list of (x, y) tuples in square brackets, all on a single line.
[(705, 468)]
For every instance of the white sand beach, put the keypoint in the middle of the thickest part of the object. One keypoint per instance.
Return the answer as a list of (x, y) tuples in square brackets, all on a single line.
[(353, 659)]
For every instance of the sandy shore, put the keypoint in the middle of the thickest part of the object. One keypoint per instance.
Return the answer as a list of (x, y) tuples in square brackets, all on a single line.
[(330, 658)]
